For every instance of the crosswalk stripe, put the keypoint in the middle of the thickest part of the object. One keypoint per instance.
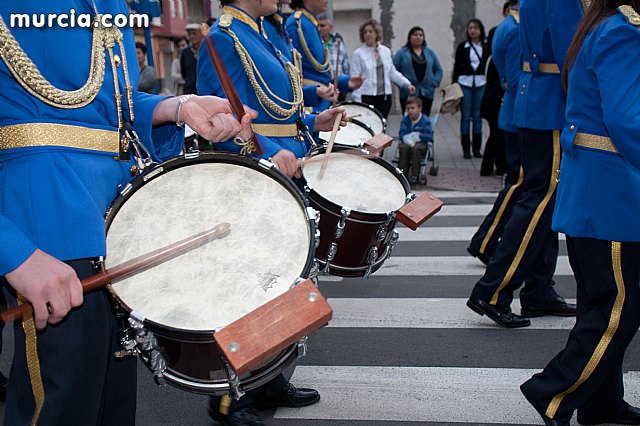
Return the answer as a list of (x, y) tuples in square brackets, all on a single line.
[(424, 313), (480, 210), (447, 265), (458, 194), (441, 233), (428, 394)]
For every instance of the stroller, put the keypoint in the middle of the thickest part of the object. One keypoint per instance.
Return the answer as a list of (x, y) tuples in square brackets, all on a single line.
[(430, 155)]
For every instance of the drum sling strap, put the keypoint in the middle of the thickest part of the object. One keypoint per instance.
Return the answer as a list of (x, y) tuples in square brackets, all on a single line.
[(33, 362)]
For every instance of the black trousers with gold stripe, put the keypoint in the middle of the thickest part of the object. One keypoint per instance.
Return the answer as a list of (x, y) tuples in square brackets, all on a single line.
[(486, 238), (528, 249), (587, 374), (83, 383)]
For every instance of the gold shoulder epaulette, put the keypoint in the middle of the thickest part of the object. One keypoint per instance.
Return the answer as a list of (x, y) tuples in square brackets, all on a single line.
[(631, 14), (225, 20), (297, 14)]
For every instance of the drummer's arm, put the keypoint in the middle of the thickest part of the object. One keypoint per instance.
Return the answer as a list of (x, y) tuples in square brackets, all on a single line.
[(324, 121)]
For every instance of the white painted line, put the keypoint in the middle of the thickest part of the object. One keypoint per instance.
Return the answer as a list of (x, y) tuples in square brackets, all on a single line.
[(458, 194), (422, 394), (465, 210), (447, 265), (441, 233), (425, 313)]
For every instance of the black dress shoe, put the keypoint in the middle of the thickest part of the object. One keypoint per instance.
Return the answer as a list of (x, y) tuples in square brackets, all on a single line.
[(630, 416), (245, 416), (477, 154), (289, 396), (502, 316), (475, 253), (550, 422), (558, 308)]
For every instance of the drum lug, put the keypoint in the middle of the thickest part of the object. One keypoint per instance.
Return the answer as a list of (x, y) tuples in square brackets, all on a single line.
[(302, 346), (192, 153), (235, 390), (384, 228), (410, 197), (307, 189), (342, 223), (393, 242), (331, 253), (266, 164), (138, 341), (371, 260)]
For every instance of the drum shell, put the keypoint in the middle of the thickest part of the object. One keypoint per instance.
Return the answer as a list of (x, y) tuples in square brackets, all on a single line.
[(361, 231), (194, 361)]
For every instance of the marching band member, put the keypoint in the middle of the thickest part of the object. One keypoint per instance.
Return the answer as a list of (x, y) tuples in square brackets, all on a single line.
[(528, 249), (64, 156), (597, 208), (302, 27), (269, 83)]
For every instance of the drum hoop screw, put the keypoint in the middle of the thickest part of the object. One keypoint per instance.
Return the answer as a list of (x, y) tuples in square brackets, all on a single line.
[(234, 347)]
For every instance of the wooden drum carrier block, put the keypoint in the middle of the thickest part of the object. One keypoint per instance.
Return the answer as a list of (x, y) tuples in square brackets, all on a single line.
[(419, 210), (263, 333)]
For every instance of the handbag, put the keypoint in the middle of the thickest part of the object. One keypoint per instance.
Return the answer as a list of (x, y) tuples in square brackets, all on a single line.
[(452, 97)]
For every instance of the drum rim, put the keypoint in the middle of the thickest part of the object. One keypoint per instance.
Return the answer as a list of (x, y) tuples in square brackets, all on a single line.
[(371, 107), (182, 334), (356, 214), (357, 123)]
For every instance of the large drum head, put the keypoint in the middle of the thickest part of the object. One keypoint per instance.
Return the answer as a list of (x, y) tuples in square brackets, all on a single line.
[(356, 183), (354, 134), (269, 247), (367, 115)]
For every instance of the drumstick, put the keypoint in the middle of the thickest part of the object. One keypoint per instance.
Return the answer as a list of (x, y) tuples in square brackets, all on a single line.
[(135, 265), (335, 71), (353, 116), (332, 138), (227, 86)]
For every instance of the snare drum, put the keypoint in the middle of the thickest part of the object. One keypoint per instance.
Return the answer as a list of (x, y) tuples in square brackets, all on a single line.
[(367, 115), (358, 198), (185, 300), (353, 135)]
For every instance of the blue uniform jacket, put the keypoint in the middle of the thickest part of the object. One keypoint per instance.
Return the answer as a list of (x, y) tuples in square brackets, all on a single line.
[(55, 198), (546, 30), (282, 42), (314, 41), (270, 65), (506, 53), (432, 76), (422, 125), (598, 195)]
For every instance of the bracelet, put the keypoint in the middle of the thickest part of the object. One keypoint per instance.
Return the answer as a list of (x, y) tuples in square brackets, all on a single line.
[(183, 99)]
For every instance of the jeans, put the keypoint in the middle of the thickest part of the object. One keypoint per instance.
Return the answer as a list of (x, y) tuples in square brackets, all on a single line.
[(470, 109)]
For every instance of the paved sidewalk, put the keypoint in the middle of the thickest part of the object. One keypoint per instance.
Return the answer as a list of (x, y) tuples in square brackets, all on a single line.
[(454, 173)]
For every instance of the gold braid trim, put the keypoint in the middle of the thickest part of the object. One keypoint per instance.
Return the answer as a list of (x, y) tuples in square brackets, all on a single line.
[(631, 14), (324, 67), (33, 363), (274, 110), (30, 78), (585, 4)]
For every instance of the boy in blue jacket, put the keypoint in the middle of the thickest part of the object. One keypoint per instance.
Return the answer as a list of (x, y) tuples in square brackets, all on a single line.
[(415, 134)]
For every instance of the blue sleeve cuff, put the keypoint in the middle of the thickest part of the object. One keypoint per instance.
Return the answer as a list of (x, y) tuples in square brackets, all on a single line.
[(311, 97), (164, 141), (15, 247), (343, 83)]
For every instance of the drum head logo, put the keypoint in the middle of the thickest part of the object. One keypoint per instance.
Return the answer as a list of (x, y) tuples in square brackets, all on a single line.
[(267, 281)]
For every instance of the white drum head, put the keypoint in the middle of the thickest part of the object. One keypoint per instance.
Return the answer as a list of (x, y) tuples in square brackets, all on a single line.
[(353, 135), (356, 183), (213, 285), (367, 115)]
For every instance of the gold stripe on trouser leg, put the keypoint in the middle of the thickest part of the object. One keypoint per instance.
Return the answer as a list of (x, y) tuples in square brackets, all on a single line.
[(33, 363), (536, 218), (605, 340), (503, 206)]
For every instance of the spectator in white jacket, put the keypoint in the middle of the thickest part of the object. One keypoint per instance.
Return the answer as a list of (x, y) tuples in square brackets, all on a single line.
[(373, 61)]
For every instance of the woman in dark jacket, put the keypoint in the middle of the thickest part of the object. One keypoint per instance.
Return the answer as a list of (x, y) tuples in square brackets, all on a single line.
[(468, 71), (421, 66)]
